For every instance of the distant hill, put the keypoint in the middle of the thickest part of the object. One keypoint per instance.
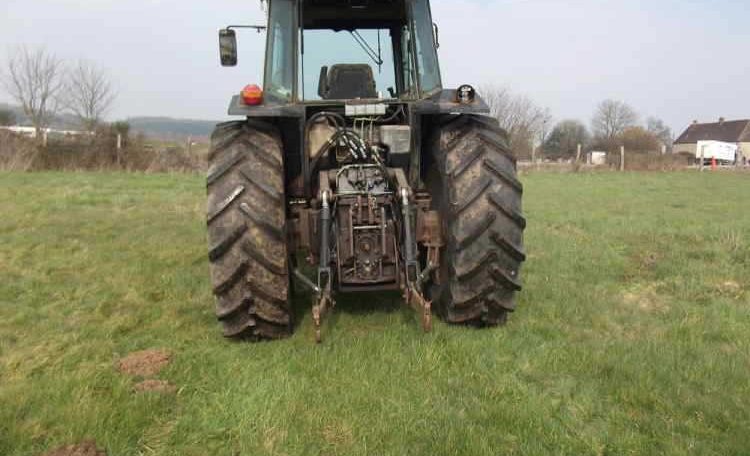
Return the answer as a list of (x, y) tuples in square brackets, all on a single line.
[(152, 127), (16, 110), (170, 128), (62, 121)]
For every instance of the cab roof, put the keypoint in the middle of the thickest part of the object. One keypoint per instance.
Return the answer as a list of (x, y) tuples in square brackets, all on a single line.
[(353, 14)]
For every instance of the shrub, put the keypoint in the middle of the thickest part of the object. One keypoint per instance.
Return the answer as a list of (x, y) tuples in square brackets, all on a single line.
[(94, 152)]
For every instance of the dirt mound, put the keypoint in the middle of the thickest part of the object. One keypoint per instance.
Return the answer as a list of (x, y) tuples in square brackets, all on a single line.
[(144, 363), (156, 386), (87, 448)]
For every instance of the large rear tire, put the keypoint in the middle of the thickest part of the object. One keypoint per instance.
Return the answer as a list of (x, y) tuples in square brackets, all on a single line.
[(475, 187), (247, 231)]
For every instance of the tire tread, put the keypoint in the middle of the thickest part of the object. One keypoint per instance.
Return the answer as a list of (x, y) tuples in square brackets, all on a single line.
[(247, 242), (480, 198)]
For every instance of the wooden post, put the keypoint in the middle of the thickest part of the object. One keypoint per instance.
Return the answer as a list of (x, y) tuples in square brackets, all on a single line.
[(119, 148), (663, 149), (44, 137), (622, 158), (703, 158), (189, 144), (578, 154)]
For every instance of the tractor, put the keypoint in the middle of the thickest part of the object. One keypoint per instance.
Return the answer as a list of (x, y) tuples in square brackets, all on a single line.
[(354, 171)]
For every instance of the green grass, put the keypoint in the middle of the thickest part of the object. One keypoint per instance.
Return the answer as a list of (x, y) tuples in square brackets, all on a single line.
[(632, 334)]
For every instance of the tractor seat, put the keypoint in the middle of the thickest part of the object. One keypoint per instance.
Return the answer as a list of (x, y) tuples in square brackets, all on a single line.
[(347, 81)]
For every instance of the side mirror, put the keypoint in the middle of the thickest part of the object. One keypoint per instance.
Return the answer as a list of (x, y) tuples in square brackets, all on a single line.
[(323, 82), (228, 47)]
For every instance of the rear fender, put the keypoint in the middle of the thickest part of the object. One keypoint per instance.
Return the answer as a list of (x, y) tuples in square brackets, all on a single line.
[(267, 109), (445, 102)]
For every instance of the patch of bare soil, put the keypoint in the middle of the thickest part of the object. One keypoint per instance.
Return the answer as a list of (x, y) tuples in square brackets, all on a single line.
[(646, 298), (87, 448), (144, 363), (730, 288), (338, 435), (155, 386), (648, 260)]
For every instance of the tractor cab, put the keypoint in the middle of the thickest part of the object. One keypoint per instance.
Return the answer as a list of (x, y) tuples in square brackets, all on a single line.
[(321, 51)]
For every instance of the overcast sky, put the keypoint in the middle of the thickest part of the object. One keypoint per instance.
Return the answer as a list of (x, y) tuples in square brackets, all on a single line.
[(676, 59)]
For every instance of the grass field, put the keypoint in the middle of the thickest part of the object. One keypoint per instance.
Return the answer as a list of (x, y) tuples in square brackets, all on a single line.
[(632, 335)]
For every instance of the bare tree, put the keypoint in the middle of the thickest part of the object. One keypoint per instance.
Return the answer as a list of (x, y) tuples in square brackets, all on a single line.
[(661, 130), (611, 119), (519, 116), (89, 93), (544, 129), (34, 79)]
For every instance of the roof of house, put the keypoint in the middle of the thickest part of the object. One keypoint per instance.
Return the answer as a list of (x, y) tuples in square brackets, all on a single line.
[(726, 131)]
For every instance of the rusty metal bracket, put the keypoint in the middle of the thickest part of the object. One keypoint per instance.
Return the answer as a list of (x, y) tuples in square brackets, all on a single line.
[(413, 276), (417, 301), (429, 227), (324, 303)]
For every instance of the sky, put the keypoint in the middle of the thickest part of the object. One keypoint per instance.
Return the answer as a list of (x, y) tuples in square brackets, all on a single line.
[(679, 60)]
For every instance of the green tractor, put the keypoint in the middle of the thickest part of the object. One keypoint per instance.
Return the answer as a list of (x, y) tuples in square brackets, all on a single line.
[(355, 159)]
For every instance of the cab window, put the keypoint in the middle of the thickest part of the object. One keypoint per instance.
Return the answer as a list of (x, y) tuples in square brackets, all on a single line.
[(279, 77), (427, 62)]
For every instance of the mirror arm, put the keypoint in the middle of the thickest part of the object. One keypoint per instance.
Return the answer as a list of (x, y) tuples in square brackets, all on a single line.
[(258, 28), (436, 29)]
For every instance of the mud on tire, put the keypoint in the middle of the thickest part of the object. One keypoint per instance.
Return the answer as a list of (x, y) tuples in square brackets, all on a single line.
[(246, 230), (475, 186)]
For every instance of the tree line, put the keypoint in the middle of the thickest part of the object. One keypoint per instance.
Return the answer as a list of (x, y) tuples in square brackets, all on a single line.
[(613, 124), (44, 86)]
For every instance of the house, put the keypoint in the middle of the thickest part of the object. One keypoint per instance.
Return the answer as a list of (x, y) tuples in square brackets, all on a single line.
[(597, 158), (726, 131), (24, 131), (30, 132)]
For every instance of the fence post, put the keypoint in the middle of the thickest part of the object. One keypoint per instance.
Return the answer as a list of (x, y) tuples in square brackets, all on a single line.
[(578, 154), (189, 145), (44, 137), (703, 159), (622, 158), (663, 149), (119, 148)]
